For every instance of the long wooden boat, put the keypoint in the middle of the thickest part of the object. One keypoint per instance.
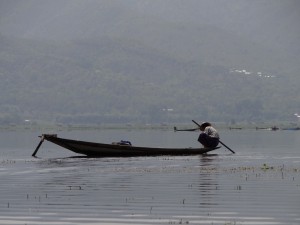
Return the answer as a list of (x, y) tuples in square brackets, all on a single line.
[(117, 150), (291, 128)]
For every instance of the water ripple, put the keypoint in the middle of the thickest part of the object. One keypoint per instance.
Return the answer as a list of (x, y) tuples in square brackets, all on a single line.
[(154, 190)]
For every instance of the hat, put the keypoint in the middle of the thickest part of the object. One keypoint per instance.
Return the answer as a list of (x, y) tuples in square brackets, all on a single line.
[(204, 125)]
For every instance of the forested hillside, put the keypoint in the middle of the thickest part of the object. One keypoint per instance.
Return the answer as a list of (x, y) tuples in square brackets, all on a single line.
[(139, 67)]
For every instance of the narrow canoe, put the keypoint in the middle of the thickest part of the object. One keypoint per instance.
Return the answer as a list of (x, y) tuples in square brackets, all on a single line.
[(292, 128), (115, 150)]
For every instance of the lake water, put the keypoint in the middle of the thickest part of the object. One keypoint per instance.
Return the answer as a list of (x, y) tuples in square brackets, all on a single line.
[(260, 184)]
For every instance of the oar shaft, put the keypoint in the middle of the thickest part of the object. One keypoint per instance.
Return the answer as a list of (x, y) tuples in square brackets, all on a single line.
[(196, 123), (226, 146)]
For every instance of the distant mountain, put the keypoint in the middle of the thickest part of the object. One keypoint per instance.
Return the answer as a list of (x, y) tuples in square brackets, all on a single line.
[(110, 61), (118, 81)]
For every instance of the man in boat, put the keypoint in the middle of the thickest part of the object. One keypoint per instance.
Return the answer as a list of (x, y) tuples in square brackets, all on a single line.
[(209, 136)]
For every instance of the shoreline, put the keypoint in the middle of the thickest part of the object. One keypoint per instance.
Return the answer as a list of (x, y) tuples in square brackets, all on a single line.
[(157, 126)]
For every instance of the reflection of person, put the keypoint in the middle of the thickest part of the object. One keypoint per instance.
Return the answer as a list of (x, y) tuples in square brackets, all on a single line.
[(209, 137)]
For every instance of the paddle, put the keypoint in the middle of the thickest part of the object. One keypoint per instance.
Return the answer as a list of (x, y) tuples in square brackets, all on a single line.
[(219, 139), (37, 147)]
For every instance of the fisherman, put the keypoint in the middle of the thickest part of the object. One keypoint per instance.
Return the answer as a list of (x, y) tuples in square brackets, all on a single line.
[(209, 137)]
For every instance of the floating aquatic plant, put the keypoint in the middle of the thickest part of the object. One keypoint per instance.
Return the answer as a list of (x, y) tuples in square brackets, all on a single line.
[(266, 167)]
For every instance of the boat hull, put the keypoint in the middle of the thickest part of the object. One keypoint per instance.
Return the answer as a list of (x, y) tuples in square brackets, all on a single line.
[(114, 150)]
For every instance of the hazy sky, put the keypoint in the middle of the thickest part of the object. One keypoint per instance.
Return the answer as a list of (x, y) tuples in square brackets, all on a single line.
[(61, 18)]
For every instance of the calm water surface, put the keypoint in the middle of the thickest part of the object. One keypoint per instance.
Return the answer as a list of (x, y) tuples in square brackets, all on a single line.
[(260, 184)]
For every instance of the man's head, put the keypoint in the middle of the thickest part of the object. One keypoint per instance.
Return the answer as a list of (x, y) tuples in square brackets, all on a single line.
[(204, 125)]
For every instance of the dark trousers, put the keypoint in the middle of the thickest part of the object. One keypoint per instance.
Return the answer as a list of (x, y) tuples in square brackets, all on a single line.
[(207, 141)]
